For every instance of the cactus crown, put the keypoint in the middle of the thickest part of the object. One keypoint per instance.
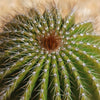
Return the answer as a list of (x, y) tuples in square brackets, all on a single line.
[(50, 42), (46, 57)]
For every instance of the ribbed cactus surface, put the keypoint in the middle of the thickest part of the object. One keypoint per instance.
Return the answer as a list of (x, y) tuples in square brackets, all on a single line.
[(47, 57)]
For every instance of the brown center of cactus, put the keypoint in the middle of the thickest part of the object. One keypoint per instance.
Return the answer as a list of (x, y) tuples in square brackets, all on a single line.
[(50, 42)]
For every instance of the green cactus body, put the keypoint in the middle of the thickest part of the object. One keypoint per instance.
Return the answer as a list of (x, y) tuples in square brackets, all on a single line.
[(46, 57)]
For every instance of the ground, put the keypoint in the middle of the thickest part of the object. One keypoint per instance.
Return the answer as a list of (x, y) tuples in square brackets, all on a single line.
[(86, 9)]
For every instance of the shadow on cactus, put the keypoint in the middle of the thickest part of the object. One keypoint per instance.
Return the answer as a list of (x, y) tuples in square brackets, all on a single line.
[(46, 57)]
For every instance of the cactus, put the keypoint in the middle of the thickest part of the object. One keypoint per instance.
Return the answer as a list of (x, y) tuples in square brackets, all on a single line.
[(47, 57)]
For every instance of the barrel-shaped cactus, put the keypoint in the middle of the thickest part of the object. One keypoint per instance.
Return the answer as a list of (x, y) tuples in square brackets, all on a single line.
[(47, 57)]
